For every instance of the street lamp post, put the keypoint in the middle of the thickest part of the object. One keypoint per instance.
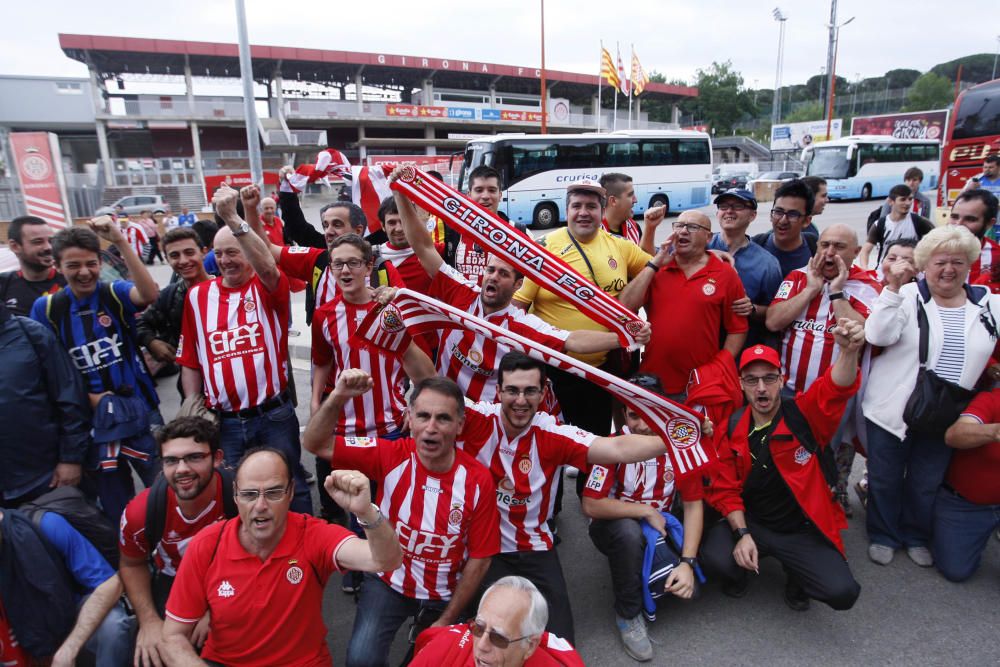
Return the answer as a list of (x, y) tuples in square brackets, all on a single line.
[(249, 108), (780, 17), (822, 72), (834, 46), (995, 56)]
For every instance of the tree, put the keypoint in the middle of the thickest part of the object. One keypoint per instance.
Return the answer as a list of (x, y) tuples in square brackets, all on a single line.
[(975, 68), (900, 78), (930, 91), (810, 111), (721, 99)]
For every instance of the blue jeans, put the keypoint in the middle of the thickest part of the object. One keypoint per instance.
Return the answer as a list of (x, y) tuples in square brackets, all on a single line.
[(903, 479), (381, 611), (111, 643), (961, 531), (278, 429)]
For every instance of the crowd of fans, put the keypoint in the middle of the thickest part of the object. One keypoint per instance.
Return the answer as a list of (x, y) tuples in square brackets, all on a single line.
[(440, 469)]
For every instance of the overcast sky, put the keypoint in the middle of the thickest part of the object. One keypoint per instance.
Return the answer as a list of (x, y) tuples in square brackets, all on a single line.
[(675, 37)]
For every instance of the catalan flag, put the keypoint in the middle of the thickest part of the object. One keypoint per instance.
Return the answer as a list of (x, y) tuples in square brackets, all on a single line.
[(608, 70), (639, 78)]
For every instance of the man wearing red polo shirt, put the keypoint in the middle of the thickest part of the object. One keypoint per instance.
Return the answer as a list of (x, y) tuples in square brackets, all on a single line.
[(967, 509), (262, 576), (688, 294)]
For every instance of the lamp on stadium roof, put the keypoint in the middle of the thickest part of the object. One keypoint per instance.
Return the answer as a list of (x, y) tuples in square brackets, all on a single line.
[(780, 17)]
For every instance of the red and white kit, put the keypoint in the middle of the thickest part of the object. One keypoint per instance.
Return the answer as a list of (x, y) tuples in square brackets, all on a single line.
[(236, 337), (526, 470), (177, 529), (808, 347), (442, 520), (136, 237), (470, 359), (379, 411)]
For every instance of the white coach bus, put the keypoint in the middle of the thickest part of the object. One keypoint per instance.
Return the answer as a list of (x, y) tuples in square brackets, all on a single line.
[(866, 166), (668, 167)]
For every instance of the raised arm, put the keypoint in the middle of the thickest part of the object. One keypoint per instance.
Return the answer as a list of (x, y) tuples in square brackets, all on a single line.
[(318, 437), (850, 338), (416, 232), (629, 448), (250, 196), (634, 294), (584, 341), (650, 222), (380, 552), (144, 289), (780, 314), (256, 252)]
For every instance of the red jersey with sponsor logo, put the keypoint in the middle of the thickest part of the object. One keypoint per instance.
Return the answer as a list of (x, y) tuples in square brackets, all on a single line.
[(409, 267), (689, 314), (136, 237), (302, 263), (11, 653), (264, 613), (471, 359), (808, 347), (526, 470), (989, 256), (648, 482), (379, 411), (629, 230), (442, 519), (178, 530), (975, 472), (236, 336)]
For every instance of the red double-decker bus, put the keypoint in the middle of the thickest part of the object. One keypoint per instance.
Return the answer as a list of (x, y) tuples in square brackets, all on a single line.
[(973, 133)]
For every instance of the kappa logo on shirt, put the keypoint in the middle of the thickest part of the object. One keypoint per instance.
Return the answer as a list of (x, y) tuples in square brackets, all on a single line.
[(226, 589)]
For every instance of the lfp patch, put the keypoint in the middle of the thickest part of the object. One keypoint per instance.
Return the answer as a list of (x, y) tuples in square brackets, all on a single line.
[(784, 290)]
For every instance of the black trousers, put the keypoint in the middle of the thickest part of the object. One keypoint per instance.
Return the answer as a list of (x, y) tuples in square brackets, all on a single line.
[(543, 569), (806, 556)]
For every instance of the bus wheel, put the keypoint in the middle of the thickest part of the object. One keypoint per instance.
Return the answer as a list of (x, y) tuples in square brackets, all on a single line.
[(866, 192), (545, 216), (659, 200)]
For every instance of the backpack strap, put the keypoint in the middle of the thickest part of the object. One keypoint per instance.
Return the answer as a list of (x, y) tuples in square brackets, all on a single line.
[(156, 512), (380, 274), (734, 419)]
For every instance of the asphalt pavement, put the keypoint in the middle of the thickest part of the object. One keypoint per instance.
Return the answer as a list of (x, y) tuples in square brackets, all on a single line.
[(906, 615)]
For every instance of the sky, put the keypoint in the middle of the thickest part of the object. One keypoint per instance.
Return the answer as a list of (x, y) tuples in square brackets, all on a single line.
[(674, 37)]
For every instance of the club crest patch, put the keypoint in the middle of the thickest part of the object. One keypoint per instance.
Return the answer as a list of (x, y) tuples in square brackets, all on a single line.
[(682, 432), (524, 465), (802, 456), (294, 574), (708, 289), (392, 321), (455, 515)]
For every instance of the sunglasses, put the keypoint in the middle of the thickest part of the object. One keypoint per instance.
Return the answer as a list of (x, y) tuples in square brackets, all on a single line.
[(478, 628)]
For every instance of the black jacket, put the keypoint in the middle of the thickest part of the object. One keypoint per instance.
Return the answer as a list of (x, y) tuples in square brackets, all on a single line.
[(44, 409), (162, 320)]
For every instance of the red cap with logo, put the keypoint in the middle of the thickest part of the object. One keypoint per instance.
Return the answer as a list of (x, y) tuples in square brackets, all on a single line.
[(760, 353)]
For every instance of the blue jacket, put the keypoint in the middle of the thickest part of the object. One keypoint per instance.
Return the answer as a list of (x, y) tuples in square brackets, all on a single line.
[(676, 532), (44, 409)]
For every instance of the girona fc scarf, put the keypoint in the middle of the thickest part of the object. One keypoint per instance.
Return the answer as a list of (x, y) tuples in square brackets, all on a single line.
[(389, 329), (329, 162), (531, 259)]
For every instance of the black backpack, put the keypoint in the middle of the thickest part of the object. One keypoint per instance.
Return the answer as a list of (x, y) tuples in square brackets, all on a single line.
[(35, 585), (156, 505), (70, 503), (799, 427)]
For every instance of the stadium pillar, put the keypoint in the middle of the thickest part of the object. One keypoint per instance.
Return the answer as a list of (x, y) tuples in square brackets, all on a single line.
[(188, 85), (359, 92), (362, 149), (199, 170), (102, 147), (430, 135)]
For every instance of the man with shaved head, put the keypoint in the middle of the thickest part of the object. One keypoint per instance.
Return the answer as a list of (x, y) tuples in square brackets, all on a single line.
[(688, 294), (807, 306)]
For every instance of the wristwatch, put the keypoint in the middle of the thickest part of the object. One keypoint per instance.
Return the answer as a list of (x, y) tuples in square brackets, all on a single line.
[(244, 228), (740, 532), (833, 296), (379, 518), (650, 265), (692, 561)]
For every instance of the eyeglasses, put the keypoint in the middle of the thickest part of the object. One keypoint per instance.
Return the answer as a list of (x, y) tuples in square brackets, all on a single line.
[(189, 459), (250, 496), (753, 380), (689, 227), (529, 392), (353, 263), (478, 628), (733, 206), (779, 213)]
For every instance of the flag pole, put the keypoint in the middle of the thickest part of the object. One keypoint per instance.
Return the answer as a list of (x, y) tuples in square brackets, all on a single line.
[(630, 82), (618, 55), (600, 78), (545, 125)]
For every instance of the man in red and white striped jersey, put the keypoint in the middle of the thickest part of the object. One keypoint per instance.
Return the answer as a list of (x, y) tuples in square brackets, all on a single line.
[(471, 359), (616, 499), (234, 347), (399, 251), (440, 500), (524, 450), (810, 301)]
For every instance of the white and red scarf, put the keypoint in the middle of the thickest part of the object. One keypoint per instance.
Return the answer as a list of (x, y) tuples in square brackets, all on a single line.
[(329, 162), (389, 328), (531, 259)]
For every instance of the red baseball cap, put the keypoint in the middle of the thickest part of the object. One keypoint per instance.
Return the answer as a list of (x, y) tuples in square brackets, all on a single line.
[(760, 353)]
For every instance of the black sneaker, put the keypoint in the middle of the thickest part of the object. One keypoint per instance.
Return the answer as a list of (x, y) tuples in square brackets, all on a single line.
[(737, 588), (795, 596)]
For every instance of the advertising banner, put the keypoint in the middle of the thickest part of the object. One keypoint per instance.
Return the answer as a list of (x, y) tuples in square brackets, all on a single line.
[(917, 125), (796, 136), (489, 114), (404, 110), (39, 168), (238, 180), (464, 113)]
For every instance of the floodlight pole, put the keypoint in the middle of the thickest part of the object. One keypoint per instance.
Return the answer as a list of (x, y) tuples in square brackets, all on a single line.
[(249, 108)]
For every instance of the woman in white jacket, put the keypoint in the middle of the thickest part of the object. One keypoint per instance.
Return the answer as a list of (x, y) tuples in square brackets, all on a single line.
[(905, 469)]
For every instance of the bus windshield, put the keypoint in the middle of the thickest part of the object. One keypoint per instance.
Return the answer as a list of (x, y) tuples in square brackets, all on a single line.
[(978, 114), (829, 162), (475, 155)]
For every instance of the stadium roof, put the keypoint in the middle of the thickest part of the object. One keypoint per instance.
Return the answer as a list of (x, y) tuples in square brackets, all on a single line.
[(112, 56)]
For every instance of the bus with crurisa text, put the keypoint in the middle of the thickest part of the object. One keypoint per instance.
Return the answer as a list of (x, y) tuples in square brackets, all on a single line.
[(867, 166), (668, 167), (973, 134)]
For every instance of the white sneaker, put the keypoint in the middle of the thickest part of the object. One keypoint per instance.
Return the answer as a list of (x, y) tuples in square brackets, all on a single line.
[(880, 554), (921, 556), (635, 638)]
